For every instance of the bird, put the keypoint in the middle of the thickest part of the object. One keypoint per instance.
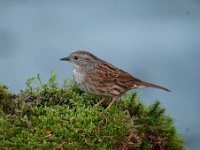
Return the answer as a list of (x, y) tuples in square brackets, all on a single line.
[(98, 77)]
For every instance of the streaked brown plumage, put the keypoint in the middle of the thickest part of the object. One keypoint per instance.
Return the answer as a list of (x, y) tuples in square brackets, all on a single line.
[(98, 77)]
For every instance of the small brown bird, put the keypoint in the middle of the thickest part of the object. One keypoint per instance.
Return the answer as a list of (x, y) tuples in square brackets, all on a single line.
[(98, 77)]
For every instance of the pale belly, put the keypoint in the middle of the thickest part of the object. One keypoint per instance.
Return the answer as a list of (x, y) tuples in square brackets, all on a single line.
[(80, 80)]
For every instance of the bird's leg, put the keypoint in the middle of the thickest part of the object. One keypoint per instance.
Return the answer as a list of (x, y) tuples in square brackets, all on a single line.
[(101, 101), (111, 103)]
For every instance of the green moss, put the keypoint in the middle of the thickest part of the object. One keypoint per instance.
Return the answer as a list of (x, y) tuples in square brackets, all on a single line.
[(49, 116)]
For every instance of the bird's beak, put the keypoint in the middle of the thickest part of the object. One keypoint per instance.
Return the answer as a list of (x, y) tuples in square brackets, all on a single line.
[(65, 59)]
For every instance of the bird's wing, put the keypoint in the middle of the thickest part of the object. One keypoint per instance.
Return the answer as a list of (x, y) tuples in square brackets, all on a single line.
[(106, 79)]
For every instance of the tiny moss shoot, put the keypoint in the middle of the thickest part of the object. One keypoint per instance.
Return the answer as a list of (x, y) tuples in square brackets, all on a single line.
[(49, 116)]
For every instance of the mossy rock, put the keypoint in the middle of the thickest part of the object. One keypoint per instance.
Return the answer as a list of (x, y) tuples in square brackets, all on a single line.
[(49, 116)]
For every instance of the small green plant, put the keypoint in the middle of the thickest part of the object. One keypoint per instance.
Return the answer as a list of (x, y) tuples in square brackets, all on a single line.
[(49, 116)]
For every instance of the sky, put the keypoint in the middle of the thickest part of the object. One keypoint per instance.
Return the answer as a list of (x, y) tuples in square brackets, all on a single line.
[(156, 41)]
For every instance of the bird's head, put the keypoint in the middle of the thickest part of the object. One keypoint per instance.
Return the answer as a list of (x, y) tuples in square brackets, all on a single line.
[(80, 58)]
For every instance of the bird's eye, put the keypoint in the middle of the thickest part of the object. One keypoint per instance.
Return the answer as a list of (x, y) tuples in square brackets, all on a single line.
[(75, 57)]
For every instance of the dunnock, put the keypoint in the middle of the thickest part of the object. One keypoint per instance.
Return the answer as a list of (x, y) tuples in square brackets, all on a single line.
[(98, 77)]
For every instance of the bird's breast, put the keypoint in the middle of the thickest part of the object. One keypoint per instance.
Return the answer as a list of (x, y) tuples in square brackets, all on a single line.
[(79, 77)]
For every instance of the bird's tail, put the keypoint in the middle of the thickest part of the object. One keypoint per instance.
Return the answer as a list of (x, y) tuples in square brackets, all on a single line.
[(147, 84)]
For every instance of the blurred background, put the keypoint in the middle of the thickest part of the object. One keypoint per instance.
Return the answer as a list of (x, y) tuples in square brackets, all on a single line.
[(156, 41)]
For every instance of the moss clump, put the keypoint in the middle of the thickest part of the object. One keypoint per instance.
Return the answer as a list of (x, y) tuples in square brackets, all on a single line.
[(49, 116)]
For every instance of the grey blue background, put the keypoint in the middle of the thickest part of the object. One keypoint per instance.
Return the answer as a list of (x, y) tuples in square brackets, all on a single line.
[(154, 40)]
